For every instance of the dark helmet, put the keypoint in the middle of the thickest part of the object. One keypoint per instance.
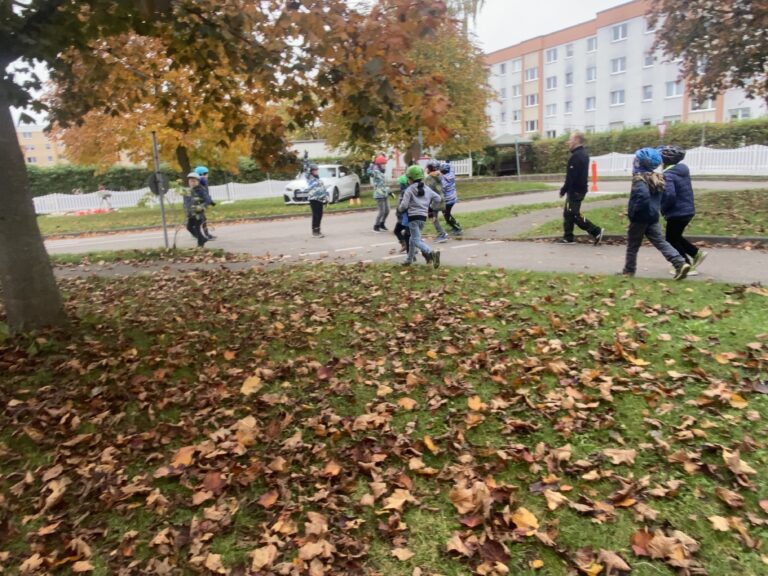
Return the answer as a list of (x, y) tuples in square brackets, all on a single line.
[(432, 166), (671, 154), (445, 167), (313, 167)]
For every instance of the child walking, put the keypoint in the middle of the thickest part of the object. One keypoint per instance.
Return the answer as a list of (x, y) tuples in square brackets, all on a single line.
[(677, 205), (381, 195), (434, 181), (318, 197), (402, 233), (194, 207), (643, 211), (417, 201), (451, 197)]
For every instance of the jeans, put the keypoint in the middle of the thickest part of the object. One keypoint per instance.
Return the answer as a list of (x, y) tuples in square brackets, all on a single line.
[(436, 221), (381, 216), (674, 235), (572, 215), (635, 234), (416, 226), (317, 214), (193, 225), (449, 219)]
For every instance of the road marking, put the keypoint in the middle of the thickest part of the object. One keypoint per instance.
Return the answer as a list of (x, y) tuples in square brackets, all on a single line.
[(384, 244), (367, 261), (393, 257), (460, 247), (489, 242), (313, 253), (348, 249)]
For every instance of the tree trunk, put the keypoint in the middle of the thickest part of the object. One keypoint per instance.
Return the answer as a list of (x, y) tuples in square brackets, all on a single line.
[(183, 159), (29, 289)]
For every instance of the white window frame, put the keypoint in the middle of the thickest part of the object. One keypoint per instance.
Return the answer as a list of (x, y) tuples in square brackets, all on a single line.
[(592, 40), (503, 68), (618, 98), (503, 117), (647, 98), (594, 104), (29, 147), (645, 60), (647, 28), (567, 83), (517, 65), (551, 134), (31, 159), (531, 100), (569, 50), (695, 101), (516, 115), (615, 62), (619, 32), (550, 110), (551, 83), (678, 89), (50, 158), (531, 126), (594, 75), (568, 107), (503, 93), (515, 90), (550, 56), (532, 74), (736, 114)]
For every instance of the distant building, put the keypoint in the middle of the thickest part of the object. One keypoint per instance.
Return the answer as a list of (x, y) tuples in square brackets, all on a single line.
[(597, 76), (38, 148)]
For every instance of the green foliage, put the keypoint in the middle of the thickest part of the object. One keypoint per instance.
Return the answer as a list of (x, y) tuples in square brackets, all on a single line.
[(550, 155), (66, 178)]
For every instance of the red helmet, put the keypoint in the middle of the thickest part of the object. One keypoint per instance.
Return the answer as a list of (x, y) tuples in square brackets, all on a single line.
[(380, 159)]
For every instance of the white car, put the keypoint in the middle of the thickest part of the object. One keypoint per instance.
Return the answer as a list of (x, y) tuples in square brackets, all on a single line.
[(339, 180)]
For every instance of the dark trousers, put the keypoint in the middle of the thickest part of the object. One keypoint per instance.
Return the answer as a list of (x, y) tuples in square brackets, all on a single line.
[(317, 214), (572, 215), (193, 225), (635, 234), (402, 232), (674, 235), (449, 219)]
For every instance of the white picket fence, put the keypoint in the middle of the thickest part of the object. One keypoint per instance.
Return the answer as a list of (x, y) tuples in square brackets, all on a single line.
[(58, 203), (702, 161)]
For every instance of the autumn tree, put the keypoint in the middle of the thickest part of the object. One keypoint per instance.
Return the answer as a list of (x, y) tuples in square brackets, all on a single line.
[(722, 43), (300, 52)]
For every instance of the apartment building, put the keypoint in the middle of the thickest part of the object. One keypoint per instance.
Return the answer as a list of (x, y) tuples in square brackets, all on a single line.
[(595, 76), (38, 148)]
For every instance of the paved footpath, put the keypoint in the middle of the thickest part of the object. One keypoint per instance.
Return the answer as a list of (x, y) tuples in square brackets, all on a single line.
[(349, 238)]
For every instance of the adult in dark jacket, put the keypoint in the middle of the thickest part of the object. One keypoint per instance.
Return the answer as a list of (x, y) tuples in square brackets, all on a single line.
[(677, 204), (574, 190), (643, 211)]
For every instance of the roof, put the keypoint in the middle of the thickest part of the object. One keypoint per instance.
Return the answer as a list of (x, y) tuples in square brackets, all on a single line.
[(507, 139)]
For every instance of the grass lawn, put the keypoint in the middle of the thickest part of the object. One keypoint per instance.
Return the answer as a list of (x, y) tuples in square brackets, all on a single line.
[(372, 420), (718, 213), (150, 216), (142, 256)]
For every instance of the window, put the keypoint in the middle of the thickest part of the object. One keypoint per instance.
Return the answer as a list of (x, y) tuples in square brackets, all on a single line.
[(569, 78), (515, 115), (619, 33), (47, 146), (569, 107), (50, 158), (618, 65), (649, 60), (531, 74), (503, 93), (550, 110), (647, 93), (503, 117), (645, 121), (503, 68), (569, 50), (29, 148), (551, 133), (517, 65), (551, 82), (702, 104), (26, 134), (31, 160), (589, 129), (591, 73), (739, 113), (592, 44), (531, 125), (617, 98), (648, 28), (551, 55), (674, 89), (616, 126), (591, 103), (516, 90), (672, 119), (531, 100)]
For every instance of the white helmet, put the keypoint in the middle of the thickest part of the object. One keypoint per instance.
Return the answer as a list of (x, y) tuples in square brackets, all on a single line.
[(194, 175)]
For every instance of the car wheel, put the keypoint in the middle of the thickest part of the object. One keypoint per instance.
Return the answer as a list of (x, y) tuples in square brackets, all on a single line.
[(357, 190), (335, 195)]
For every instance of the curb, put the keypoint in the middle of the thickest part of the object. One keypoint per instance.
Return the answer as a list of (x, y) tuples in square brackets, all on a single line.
[(756, 241)]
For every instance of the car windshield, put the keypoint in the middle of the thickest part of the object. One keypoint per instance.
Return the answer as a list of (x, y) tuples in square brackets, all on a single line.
[(323, 172)]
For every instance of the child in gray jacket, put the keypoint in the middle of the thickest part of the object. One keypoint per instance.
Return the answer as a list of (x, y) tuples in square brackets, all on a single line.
[(417, 200)]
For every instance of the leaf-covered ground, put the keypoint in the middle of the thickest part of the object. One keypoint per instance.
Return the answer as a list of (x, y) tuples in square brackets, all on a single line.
[(179, 256), (718, 213), (373, 420), (127, 218)]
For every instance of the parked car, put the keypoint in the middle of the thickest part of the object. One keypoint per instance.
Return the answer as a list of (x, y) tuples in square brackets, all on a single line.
[(339, 180)]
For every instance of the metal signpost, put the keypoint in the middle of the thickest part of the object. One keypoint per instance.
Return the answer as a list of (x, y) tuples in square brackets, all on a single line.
[(159, 185)]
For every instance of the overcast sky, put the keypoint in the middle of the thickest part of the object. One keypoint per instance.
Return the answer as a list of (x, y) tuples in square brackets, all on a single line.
[(503, 23)]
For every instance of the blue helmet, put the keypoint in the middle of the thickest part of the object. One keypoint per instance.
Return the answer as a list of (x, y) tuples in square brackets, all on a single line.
[(445, 167), (647, 160), (202, 170)]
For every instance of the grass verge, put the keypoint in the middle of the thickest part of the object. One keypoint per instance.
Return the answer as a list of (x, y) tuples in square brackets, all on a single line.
[(373, 420), (143, 256)]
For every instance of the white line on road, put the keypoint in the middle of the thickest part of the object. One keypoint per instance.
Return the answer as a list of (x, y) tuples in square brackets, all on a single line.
[(348, 249), (460, 247), (384, 244), (489, 242), (392, 257), (367, 261), (313, 253)]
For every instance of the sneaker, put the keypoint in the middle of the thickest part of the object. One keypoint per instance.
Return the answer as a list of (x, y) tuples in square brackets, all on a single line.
[(403, 248), (442, 238), (682, 272), (429, 257), (566, 241), (599, 237), (457, 231), (693, 272), (382, 227), (377, 229), (318, 235), (701, 255), (406, 263), (436, 258), (626, 274)]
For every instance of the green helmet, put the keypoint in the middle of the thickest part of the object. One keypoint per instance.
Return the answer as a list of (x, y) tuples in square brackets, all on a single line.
[(403, 179), (415, 173)]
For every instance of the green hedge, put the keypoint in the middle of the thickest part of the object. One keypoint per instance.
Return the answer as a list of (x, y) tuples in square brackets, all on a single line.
[(550, 155)]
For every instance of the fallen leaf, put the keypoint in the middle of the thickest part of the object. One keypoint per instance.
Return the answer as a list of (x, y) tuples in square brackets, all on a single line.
[(402, 554), (82, 566), (183, 456), (407, 403), (263, 557), (252, 384), (525, 521), (719, 523), (268, 499), (618, 456)]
